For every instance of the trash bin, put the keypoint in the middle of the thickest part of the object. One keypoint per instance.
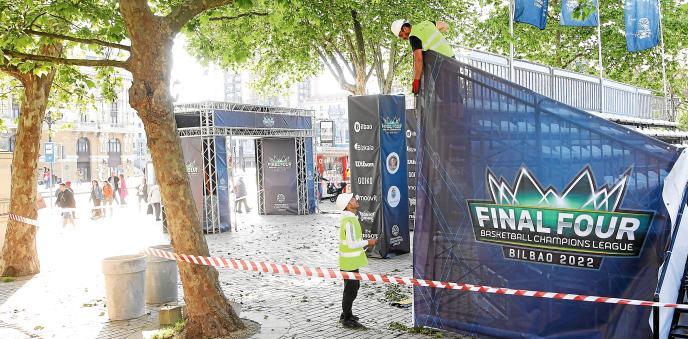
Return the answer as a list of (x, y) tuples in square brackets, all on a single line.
[(161, 278), (125, 283)]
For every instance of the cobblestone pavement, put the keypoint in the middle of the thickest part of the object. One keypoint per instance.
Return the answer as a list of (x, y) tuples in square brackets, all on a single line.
[(66, 300)]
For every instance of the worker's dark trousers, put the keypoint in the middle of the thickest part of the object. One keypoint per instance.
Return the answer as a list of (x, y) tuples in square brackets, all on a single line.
[(350, 293)]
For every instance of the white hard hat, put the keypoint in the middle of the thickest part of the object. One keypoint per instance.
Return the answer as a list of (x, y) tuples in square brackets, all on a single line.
[(396, 26), (343, 200)]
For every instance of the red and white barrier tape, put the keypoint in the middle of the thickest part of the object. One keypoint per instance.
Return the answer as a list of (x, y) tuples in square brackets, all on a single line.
[(328, 273), (23, 220), (268, 267)]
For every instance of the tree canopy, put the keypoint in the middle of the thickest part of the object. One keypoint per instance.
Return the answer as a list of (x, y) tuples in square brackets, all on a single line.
[(289, 42), (575, 48)]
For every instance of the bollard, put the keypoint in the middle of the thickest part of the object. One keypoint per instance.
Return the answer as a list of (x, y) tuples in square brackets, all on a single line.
[(161, 278), (125, 286)]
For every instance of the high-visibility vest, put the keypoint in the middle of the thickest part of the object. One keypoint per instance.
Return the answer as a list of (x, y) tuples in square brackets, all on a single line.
[(432, 38), (351, 258)]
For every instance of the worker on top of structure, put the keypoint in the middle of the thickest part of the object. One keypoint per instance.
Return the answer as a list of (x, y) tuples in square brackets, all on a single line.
[(423, 36)]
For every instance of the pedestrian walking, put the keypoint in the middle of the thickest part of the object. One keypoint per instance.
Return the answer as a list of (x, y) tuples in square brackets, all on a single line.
[(96, 198), (114, 182), (142, 193), (123, 192), (108, 196), (241, 199), (65, 199), (352, 254), (154, 200), (69, 187)]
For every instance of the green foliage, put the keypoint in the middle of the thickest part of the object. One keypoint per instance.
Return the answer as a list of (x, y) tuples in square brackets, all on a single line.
[(74, 88), (170, 331), (397, 326), (575, 48), (682, 119), (295, 39)]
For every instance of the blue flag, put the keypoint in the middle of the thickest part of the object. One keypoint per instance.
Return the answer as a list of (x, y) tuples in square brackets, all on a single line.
[(532, 12), (642, 24), (567, 13)]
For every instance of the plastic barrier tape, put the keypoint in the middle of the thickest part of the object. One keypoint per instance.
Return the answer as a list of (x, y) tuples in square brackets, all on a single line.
[(268, 267), (328, 273)]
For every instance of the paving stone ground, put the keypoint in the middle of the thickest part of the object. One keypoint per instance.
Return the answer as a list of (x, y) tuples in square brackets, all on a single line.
[(66, 300)]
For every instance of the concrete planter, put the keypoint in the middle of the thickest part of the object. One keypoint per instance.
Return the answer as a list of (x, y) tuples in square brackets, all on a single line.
[(125, 282), (161, 278)]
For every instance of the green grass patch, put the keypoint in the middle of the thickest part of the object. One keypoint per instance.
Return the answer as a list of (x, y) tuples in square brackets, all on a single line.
[(7, 279), (169, 331)]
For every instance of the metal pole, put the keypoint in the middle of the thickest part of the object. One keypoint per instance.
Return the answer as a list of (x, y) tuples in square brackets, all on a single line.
[(50, 177), (512, 8), (599, 56), (664, 74)]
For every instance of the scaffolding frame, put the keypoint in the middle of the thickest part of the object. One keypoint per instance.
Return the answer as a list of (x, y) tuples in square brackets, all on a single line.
[(207, 131)]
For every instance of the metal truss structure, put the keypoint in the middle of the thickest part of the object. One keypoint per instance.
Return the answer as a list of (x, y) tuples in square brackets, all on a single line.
[(234, 107), (301, 171), (260, 178), (207, 131), (248, 132)]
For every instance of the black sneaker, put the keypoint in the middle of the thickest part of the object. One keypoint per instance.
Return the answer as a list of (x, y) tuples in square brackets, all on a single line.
[(352, 323), (341, 317)]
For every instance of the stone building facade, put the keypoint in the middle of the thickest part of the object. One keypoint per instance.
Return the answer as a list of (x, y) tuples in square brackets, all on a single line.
[(90, 144)]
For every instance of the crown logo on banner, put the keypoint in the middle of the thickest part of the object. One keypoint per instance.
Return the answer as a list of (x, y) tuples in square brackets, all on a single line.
[(391, 125), (576, 226), (581, 194)]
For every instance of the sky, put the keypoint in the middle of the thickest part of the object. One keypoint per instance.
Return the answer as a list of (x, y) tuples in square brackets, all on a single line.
[(192, 82)]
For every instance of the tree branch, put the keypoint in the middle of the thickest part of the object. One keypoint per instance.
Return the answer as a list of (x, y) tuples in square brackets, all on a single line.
[(232, 17), (13, 71), (336, 70), (67, 61), (568, 63), (189, 9), (81, 40)]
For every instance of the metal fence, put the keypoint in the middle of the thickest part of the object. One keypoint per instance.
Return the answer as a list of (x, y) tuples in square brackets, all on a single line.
[(575, 89)]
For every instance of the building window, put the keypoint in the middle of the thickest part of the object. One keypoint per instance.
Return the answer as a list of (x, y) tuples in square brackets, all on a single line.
[(13, 142), (15, 109), (82, 146), (114, 112), (114, 146)]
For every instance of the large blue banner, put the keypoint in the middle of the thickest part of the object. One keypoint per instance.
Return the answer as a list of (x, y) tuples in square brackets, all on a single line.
[(532, 12), (394, 174), (642, 24), (261, 120), (519, 191), (221, 166), (578, 13)]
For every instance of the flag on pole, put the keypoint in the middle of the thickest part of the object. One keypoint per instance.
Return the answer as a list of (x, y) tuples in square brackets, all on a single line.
[(642, 24), (578, 13), (532, 12)]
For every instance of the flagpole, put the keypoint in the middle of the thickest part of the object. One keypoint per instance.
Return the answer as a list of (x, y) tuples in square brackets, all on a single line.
[(664, 73), (599, 56), (512, 8)]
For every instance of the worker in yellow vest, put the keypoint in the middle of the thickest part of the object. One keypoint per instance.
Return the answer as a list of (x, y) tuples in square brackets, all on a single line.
[(352, 255), (423, 36)]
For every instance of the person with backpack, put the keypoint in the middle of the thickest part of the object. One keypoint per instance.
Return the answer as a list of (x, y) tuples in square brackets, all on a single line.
[(96, 198)]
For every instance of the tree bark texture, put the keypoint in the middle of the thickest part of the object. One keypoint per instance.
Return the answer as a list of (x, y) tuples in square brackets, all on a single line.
[(19, 256), (209, 314)]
